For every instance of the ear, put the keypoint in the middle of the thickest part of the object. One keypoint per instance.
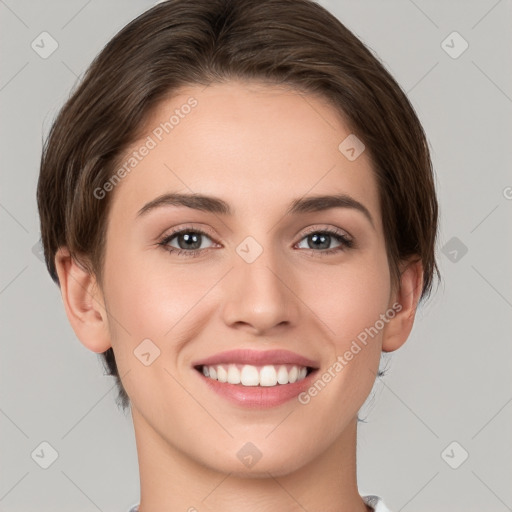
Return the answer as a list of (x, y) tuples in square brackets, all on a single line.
[(83, 302), (406, 299)]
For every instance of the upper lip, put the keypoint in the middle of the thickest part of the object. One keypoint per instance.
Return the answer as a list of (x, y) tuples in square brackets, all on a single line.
[(257, 358)]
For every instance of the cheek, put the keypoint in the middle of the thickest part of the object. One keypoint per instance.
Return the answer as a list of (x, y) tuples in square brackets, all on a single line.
[(155, 303), (348, 298), (152, 300), (148, 299)]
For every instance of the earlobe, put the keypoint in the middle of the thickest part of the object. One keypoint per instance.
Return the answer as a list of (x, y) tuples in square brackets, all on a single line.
[(83, 302), (407, 297)]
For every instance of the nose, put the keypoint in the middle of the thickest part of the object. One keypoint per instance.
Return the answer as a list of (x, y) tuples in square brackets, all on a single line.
[(260, 296)]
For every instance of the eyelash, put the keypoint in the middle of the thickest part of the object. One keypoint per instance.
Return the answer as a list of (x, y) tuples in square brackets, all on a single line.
[(346, 242)]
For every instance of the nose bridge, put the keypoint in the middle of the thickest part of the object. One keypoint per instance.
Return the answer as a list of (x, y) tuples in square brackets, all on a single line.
[(258, 287)]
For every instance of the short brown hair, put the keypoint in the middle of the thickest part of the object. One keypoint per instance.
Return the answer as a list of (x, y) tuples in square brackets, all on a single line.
[(178, 43)]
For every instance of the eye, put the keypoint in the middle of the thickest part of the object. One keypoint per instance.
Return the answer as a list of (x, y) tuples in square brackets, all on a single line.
[(188, 242), (320, 241)]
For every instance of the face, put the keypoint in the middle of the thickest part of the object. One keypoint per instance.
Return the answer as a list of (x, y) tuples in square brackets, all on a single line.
[(259, 283)]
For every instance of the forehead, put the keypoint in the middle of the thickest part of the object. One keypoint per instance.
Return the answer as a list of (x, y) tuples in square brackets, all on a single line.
[(252, 144)]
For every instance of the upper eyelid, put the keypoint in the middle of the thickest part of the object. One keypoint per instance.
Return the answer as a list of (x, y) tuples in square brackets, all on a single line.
[(331, 229), (184, 229)]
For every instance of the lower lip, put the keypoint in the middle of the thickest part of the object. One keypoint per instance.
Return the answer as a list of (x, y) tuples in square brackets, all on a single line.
[(258, 397)]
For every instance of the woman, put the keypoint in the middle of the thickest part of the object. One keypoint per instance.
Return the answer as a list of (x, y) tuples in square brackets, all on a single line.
[(238, 205)]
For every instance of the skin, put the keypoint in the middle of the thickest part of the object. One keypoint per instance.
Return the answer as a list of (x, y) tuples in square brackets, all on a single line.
[(258, 147)]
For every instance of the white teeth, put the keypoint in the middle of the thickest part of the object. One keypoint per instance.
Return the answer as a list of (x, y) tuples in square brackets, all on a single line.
[(222, 375), (233, 374), (268, 376), (282, 375), (248, 375)]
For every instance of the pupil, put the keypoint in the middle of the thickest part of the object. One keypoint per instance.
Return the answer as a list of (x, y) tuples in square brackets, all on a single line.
[(324, 244), (193, 238)]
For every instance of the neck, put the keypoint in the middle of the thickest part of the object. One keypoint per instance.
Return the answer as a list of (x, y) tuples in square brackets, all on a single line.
[(171, 480)]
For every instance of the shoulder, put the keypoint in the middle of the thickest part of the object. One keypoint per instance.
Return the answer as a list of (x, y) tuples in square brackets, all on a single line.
[(373, 501)]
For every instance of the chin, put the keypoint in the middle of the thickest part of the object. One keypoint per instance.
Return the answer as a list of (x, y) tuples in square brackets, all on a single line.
[(263, 462)]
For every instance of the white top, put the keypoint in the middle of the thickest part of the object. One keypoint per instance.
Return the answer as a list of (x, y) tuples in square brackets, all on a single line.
[(373, 501)]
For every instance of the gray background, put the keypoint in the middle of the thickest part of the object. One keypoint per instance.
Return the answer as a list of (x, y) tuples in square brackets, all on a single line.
[(450, 382)]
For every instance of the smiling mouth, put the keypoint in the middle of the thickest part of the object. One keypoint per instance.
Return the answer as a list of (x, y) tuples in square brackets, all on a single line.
[(253, 376)]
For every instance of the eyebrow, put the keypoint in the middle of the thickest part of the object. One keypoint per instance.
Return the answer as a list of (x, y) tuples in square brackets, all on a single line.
[(219, 206)]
